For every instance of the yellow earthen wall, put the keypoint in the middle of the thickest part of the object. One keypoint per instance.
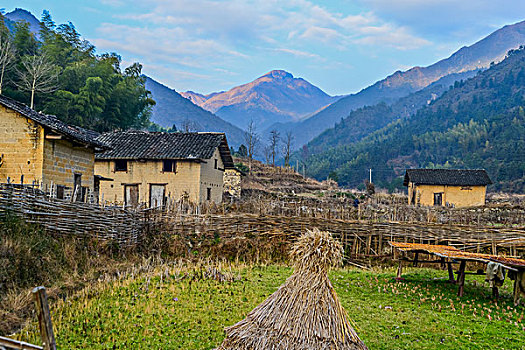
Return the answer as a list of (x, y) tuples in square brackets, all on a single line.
[(459, 196), (21, 144), (185, 181), (62, 160), (212, 178)]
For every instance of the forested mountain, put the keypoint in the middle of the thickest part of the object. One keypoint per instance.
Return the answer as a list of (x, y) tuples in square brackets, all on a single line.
[(365, 120), (479, 55), (478, 123), (274, 97), (172, 109), (57, 72)]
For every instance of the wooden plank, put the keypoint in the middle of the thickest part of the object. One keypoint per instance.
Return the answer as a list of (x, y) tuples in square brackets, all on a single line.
[(15, 344), (44, 318)]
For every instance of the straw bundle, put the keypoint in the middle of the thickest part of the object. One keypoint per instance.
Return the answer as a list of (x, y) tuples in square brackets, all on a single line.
[(304, 313)]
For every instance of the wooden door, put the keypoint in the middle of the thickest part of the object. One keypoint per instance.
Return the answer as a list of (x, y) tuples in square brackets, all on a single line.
[(438, 198), (131, 195), (156, 195)]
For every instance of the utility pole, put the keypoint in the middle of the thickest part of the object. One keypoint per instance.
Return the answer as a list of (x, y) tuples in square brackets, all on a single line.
[(370, 175)]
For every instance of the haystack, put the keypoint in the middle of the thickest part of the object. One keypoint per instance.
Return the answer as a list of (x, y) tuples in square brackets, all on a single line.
[(304, 313)]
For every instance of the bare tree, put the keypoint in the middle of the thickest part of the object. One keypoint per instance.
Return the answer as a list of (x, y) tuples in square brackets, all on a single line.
[(267, 154), (274, 144), (251, 139), (287, 148), (188, 126), (7, 55), (38, 75)]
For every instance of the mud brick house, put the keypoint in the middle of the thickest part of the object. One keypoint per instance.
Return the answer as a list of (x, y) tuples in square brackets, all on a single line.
[(148, 168), (40, 149), (447, 187)]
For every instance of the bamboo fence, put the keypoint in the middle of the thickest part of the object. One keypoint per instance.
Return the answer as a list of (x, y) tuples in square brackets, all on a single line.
[(359, 237), (364, 231), (74, 219)]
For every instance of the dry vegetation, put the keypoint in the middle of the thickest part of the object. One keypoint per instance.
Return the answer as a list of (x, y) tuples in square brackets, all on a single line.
[(304, 313), (278, 181), (29, 256)]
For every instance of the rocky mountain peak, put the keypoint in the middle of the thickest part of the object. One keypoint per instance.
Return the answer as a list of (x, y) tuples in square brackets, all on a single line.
[(278, 74)]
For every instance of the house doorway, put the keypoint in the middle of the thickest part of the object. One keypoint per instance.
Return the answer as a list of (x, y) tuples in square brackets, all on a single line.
[(156, 195), (438, 199), (131, 195), (77, 187)]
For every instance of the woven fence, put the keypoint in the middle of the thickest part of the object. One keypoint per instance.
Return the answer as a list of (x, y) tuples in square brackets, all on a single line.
[(360, 237), (364, 231), (69, 218), (385, 208)]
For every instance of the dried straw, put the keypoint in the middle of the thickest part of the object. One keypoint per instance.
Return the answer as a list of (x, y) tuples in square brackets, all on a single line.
[(304, 313)]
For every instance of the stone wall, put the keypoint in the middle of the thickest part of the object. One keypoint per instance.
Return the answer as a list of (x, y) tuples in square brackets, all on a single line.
[(232, 182)]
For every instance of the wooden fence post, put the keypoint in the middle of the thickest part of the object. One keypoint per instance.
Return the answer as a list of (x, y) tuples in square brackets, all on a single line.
[(44, 318), (461, 278)]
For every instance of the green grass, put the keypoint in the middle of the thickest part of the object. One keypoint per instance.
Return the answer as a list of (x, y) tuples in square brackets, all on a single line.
[(187, 311)]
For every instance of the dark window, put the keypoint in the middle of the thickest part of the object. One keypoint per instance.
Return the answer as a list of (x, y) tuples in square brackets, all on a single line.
[(60, 191), (83, 193), (168, 166), (216, 162), (438, 198), (208, 194), (121, 165)]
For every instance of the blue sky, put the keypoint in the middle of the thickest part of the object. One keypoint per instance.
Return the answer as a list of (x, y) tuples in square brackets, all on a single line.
[(340, 46)]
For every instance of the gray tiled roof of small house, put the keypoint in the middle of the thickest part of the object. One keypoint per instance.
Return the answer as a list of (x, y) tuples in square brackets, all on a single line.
[(450, 177), (135, 144), (75, 133)]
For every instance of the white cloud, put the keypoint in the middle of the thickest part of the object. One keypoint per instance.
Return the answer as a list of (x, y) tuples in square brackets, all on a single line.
[(449, 19), (299, 53), (200, 35), (114, 3)]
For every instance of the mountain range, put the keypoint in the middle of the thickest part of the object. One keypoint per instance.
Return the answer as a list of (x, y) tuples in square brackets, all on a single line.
[(275, 97), (478, 123), (173, 109), (491, 49)]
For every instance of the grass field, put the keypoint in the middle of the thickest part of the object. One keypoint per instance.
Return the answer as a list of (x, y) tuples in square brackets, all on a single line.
[(180, 308)]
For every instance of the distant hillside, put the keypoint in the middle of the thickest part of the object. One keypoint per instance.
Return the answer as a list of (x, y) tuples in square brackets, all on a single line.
[(366, 120), (479, 55), (173, 109), (479, 123), (22, 15), (274, 97), (197, 98)]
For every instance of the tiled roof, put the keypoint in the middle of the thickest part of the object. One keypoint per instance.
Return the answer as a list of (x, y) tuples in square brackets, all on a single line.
[(450, 177), (135, 144), (75, 133)]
